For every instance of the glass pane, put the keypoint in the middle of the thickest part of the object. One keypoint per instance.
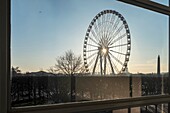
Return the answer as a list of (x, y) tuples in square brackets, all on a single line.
[(81, 50)]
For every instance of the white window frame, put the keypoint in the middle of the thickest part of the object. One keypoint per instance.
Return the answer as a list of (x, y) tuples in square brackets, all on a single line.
[(70, 107)]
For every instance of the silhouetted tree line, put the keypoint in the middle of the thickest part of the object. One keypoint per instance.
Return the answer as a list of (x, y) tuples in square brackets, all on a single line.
[(39, 88), (46, 88), (153, 85)]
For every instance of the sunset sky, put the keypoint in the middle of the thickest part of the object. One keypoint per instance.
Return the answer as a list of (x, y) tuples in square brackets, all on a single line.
[(42, 30)]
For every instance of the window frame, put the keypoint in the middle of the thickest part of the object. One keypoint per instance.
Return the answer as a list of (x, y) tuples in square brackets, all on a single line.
[(4, 55), (5, 79), (150, 5)]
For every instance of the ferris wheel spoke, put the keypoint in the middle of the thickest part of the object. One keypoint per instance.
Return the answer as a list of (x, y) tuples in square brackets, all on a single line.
[(119, 38), (118, 45), (92, 55), (92, 50), (110, 35), (102, 31), (116, 24), (98, 24), (100, 34), (108, 30), (106, 26), (116, 59), (93, 45), (103, 18), (112, 18), (111, 64), (103, 24), (93, 40), (96, 29), (105, 32), (112, 21), (94, 68), (117, 70), (118, 52), (114, 28), (118, 30), (91, 61), (94, 35), (116, 33), (109, 22)]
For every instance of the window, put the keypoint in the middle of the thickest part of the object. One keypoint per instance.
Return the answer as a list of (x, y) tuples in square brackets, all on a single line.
[(40, 91)]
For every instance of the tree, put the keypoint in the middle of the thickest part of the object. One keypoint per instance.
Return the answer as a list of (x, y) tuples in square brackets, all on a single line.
[(15, 70), (52, 70), (69, 63)]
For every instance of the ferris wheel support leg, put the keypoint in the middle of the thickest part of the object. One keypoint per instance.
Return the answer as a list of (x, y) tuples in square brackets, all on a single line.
[(101, 69), (105, 65), (95, 64), (111, 65)]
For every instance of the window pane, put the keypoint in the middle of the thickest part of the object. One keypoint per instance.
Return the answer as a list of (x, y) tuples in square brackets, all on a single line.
[(82, 50)]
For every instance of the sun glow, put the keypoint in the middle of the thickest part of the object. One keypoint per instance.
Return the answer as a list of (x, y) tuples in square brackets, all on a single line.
[(104, 50)]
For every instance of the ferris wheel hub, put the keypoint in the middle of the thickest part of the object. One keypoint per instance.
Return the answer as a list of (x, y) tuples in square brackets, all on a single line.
[(104, 50)]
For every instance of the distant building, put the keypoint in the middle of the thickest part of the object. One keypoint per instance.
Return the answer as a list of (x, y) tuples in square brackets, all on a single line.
[(158, 65)]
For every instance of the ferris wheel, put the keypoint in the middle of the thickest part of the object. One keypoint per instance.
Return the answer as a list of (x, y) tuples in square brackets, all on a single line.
[(107, 44)]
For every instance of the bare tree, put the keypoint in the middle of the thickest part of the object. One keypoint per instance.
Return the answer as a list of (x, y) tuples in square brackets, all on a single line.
[(69, 63), (15, 70), (53, 70)]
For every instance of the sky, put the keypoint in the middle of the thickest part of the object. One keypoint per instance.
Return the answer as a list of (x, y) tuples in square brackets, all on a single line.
[(164, 2), (42, 30)]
